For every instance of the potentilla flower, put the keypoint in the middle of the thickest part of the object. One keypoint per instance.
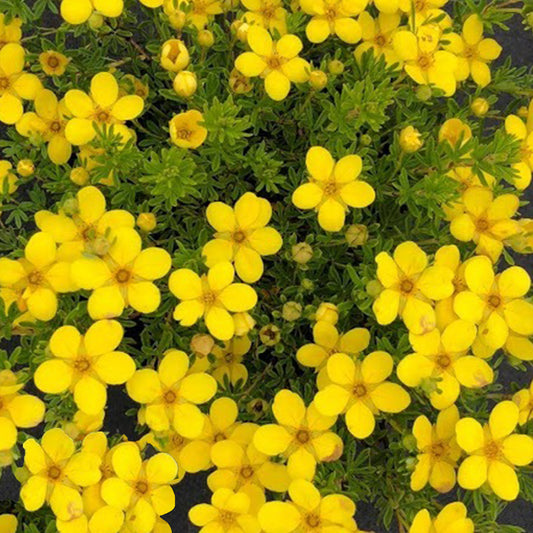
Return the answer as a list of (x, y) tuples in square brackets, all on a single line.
[(332, 188), (83, 224), (122, 277), (242, 235), (186, 130), (171, 394), (523, 131), (16, 410), (37, 277), (269, 14), (453, 517), (79, 11), (437, 450), (15, 84), (441, 363), (360, 390), (142, 489), (410, 288), (493, 451), (174, 55), (377, 34), (277, 62), (11, 32), (101, 107), (56, 474), (53, 63), (307, 510), (524, 399), (496, 303), (214, 296), (473, 51), (423, 61), (333, 17), (86, 364), (327, 312), (454, 130), (301, 434), (228, 365)]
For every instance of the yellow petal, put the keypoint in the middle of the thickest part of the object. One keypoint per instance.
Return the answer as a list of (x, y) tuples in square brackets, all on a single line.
[(360, 420), (90, 395), (272, 439), (319, 163), (503, 481), (238, 297), (376, 367), (127, 461), (469, 434), (219, 323), (250, 64), (503, 419), (104, 89), (53, 376), (277, 85), (473, 472), (105, 302), (128, 107)]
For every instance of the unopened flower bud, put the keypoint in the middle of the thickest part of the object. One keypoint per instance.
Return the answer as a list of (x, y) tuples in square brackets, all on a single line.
[(174, 55), (356, 235), (270, 335), (291, 311), (79, 176), (480, 107), (25, 167), (327, 312), (410, 140), (146, 221), (239, 83), (523, 112), (307, 284), (374, 288), (302, 253), (424, 93), (185, 83), (96, 21), (365, 139), (409, 442), (206, 39), (336, 67), (318, 79), (71, 207)]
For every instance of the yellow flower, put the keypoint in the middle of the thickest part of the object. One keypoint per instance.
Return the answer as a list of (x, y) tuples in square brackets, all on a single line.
[(410, 140), (423, 61), (123, 277), (79, 11), (496, 303), (333, 17), (174, 55), (242, 235), (171, 394), (56, 473), (328, 341), (213, 296), (493, 451), (269, 14), (377, 34), (327, 312), (186, 130), (228, 361), (102, 107), (83, 224), (524, 399), (38, 276), (140, 488), (438, 451), (453, 517), (8, 523), (277, 62), (480, 107), (441, 358), (301, 435), (332, 188), (16, 410), (473, 51), (15, 84), (10, 33), (308, 511), (228, 511), (410, 286), (515, 126), (53, 63), (86, 364), (359, 389)]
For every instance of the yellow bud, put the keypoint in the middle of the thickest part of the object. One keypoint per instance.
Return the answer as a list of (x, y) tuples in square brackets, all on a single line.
[(146, 221), (239, 83), (302, 253), (242, 32), (174, 55), (424, 93), (206, 39), (336, 67), (177, 19), (185, 83), (243, 323), (374, 288), (356, 235), (327, 312), (270, 335), (318, 79), (480, 107), (79, 176), (409, 442), (523, 112), (96, 21), (71, 207), (291, 311), (307, 284), (25, 167), (410, 140), (202, 344)]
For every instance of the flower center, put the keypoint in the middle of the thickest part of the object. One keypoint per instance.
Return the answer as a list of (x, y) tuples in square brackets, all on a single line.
[(228, 357), (55, 126), (359, 390), (53, 62), (227, 518), (169, 397), (219, 436), (470, 52), (444, 361), (107, 470), (4, 83), (54, 472), (420, 5), (494, 301), (312, 520), (184, 133), (331, 14), (330, 188), (209, 298), (268, 12), (102, 116), (438, 449), (459, 284), (492, 450), (425, 61), (123, 275), (35, 278), (82, 365), (247, 472), (482, 224), (274, 62), (141, 487), (407, 286), (176, 440), (239, 236), (302, 436), (380, 40)]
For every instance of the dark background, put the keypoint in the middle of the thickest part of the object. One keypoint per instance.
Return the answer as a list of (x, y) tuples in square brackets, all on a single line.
[(517, 43)]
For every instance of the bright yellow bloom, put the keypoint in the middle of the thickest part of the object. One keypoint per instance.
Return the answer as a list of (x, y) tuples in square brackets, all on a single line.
[(122, 277), (410, 140), (242, 235), (359, 389), (454, 130), (83, 225), (85, 364), (140, 488), (186, 130), (496, 303), (171, 394), (185, 83), (377, 34), (16, 410), (174, 55), (423, 61), (333, 17), (213, 296), (10, 33), (473, 51), (301, 435), (452, 518), (56, 474), (308, 511), (53, 63), (332, 188), (410, 286), (15, 84), (277, 62), (79, 11), (37, 277), (8, 523), (102, 107), (515, 126), (228, 361), (327, 312), (229, 511), (441, 363), (524, 399), (269, 14), (493, 451), (438, 451)]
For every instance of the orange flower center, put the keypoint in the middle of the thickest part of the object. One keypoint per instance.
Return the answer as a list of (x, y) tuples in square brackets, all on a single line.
[(35, 278), (239, 236), (359, 390), (247, 472), (482, 224), (470, 52), (407, 286), (229, 357), (494, 301), (312, 520), (219, 436), (438, 449), (82, 365), (53, 62), (331, 14), (123, 276), (184, 133), (55, 126), (302, 436), (493, 450), (227, 518), (330, 188), (380, 40), (425, 61), (274, 62), (4, 83), (444, 361), (209, 298), (102, 116), (54, 472), (141, 487), (169, 397)]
